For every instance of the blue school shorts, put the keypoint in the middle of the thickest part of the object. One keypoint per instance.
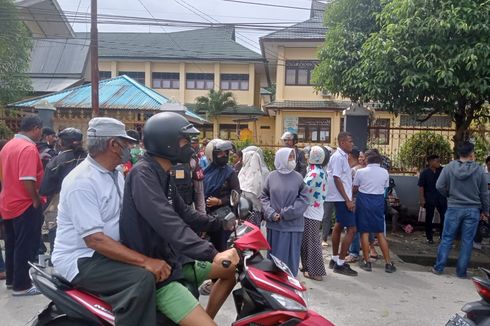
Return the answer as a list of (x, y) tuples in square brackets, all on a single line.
[(345, 217)]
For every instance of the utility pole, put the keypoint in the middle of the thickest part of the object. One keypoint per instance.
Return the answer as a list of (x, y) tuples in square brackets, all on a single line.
[(94, 59)]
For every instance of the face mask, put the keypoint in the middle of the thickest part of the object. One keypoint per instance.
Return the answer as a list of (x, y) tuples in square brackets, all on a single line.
[(185, 154), (125, 154), (222, 161), (291, 165)]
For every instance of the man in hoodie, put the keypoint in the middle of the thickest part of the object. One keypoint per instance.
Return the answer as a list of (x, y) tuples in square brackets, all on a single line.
[(464, 184)]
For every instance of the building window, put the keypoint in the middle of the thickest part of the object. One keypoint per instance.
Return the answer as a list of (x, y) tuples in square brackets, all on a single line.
[(342, 122), (139, 76), (165, 80), (229, 131), (237, 82), (104, 75), (314, 130), (299, 72), (206, 131), (379, 132), (199, 81), (434, 121)]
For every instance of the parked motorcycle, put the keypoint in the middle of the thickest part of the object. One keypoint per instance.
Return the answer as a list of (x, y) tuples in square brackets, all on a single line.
[(269, 293), (476, 313)]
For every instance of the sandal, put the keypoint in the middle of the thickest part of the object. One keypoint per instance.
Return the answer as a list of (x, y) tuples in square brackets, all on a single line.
[(206, 288), (31, 291), (351, 259), (313, 277)]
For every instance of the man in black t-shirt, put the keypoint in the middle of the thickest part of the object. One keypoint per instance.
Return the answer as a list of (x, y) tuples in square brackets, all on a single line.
[(429, 197)]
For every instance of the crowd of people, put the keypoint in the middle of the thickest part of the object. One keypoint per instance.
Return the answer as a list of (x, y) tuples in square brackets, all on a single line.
[(134, 215)]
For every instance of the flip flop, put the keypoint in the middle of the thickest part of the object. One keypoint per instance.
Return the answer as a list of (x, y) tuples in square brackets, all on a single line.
[(32, 291), (314, 277)]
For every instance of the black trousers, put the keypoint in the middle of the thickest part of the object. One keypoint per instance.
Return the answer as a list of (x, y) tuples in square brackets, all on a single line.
[(130, 290), (441, 206), (22, 238)]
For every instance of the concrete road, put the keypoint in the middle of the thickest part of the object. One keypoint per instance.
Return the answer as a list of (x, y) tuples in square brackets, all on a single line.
[(411, 296)]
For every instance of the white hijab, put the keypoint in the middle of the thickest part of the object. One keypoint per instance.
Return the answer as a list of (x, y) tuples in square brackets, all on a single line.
[(281, 161), (254, 170)]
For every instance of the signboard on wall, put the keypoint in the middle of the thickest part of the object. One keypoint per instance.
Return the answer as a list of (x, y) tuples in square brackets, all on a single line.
[(291, 124)]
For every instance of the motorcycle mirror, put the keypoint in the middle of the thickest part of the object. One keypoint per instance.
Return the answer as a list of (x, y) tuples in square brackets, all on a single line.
[(229, 221), (244, 208), (234, 198)]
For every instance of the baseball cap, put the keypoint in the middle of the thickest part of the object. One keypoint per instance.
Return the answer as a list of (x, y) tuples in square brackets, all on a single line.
[(107, 127)]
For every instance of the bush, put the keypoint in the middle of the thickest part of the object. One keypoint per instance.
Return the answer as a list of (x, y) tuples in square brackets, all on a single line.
[(481, 148), (413, 153)]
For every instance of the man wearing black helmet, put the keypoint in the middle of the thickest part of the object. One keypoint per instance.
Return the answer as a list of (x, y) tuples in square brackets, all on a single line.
[(71, 154), (290, 140), (156, 222)]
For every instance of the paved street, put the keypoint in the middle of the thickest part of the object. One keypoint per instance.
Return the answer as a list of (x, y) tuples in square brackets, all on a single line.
[(412, 296)]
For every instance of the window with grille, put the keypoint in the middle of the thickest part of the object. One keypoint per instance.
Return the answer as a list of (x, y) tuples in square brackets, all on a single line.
[(169, 80), (379, 132), (229, 131), (104, 75), (314, 130), (199, 81), (237, 82), (139, 76), (299, 72)]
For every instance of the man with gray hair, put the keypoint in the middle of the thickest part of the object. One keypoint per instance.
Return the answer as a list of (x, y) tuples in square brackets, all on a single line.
[(87, 251)]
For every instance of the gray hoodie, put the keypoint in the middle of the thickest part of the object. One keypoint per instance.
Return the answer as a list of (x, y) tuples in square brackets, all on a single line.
[(464, 184)]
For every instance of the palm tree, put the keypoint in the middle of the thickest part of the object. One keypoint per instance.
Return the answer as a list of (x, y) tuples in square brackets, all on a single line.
[(214, 104)]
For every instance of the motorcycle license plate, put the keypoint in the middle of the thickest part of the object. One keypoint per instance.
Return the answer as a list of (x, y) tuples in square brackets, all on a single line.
[(457, 320)]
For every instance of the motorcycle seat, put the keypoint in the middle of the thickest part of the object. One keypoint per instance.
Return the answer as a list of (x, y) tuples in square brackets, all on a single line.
[(57, 278)]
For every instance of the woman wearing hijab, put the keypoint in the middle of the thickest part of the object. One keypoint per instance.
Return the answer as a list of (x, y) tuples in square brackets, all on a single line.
[(219, 180), (252, 178), (316, 184), (284, 200)]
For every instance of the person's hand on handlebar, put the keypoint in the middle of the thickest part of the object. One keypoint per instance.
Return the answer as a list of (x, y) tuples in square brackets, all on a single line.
[(227, 256)]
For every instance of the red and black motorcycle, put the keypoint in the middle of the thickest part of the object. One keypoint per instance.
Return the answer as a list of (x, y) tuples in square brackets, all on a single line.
[(269, 293)]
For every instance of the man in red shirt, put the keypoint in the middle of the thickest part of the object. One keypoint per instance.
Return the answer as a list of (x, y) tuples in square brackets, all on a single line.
[(20, 203)]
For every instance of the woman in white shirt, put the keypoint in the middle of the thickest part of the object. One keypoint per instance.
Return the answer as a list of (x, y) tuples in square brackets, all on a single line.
[(370, 183)]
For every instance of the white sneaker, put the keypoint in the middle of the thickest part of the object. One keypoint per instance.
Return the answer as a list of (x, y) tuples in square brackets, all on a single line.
[(476, 245)]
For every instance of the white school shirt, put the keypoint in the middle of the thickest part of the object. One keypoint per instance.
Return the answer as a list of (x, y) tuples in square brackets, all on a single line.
[(339, 167), (372, 179)]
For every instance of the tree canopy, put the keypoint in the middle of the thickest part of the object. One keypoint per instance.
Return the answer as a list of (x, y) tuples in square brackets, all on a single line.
[(215, 102), (15, 47), (421, 57)]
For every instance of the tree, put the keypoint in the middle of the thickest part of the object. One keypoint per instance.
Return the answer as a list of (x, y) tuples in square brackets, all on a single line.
[(15, 47), (421, 57), (349, 24), (414, 152), (215, 103)]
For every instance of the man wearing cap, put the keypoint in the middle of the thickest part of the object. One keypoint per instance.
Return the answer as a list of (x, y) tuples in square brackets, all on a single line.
[(71, 154), (46, 145), (87, 251)]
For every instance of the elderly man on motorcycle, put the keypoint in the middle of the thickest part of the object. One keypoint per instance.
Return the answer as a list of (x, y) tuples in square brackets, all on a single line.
[(156, 222), (87, 251)]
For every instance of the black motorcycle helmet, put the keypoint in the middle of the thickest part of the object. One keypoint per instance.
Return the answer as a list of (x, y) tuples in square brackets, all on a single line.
[(70, 135), (162, 133)]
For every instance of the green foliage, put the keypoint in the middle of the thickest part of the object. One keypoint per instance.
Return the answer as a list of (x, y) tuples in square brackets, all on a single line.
[(419, 57), (349, 24), (215, 103), (241, 144), (15, 47), (5, 132), (414, 152), (482, 147)]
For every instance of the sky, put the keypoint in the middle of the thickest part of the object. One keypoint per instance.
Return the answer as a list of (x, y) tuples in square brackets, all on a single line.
[(220, 11)]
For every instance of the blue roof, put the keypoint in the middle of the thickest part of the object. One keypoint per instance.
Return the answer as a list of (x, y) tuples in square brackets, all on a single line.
[(121, 92)]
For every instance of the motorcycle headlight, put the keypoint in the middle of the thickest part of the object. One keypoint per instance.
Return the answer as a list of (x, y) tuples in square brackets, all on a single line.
[(289, 304)]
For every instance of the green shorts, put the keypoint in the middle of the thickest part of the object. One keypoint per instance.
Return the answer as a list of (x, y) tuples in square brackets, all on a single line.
[(174, 300)]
